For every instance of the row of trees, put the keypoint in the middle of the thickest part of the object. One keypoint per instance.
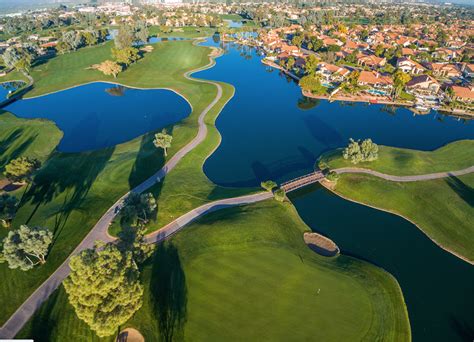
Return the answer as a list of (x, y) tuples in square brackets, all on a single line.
[(75, 39)]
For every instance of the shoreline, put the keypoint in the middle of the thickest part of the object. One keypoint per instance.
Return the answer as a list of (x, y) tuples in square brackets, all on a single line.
[(25, 311), (369, 99), (330, 187)]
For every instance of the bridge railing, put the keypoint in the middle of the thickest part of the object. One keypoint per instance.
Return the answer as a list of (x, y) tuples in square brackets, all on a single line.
[(302, 181)]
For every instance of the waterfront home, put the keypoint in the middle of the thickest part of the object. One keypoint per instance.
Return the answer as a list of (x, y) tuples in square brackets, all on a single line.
[(371, 61), (409, 66), (443, 69), (423, 85), (375, 81), (463, 94), (332, 73), (468, 70)]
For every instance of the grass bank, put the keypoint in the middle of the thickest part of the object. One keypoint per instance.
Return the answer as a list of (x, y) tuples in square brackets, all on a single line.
[(443, 209), (245, 273), (405, 162), (32, 138), (73, 190)]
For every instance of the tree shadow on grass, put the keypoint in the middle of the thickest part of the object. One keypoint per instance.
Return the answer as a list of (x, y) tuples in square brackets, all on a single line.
[(18, 151), (44, 322), (6, 143), (464, 191), (148, 161), (70, 175), (168, 292)]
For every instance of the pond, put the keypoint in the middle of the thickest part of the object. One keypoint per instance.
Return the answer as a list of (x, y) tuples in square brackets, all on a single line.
[(270, 132), (438, 287), (285, 133), (99, 115), (233, 23)]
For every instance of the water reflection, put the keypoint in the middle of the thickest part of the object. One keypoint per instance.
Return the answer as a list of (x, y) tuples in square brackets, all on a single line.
[(264, 108), (99, 115), (438, 287)]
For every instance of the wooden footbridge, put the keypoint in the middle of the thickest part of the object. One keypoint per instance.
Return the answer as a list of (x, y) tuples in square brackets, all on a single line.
[(302, 181)]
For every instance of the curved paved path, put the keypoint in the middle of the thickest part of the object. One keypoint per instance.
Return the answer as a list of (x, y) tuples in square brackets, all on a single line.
[(99, 231), (414, 178)]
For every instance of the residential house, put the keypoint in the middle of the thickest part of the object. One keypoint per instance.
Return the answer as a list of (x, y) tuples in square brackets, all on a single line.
[(443, 69), (409, 66), (423, 85), (468, 70), (371, 61), (375, 80), (463, 94), (332, 73)]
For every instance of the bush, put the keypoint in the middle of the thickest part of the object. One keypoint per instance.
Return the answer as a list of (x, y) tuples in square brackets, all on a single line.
[(322, 165), (358, 151), (332, 176), (279, 195), (268, 185)]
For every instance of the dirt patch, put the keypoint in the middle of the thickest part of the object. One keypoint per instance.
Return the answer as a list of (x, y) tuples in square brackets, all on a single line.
[(130, 335), (321, 244)]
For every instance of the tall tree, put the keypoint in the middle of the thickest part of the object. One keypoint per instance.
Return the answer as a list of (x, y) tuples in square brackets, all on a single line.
[(138, 208), (125, 37), (26, 247), (8, 208), (21, 169), (163, 140), (104, 288), (126, 56), (133, 239), (110, 68)]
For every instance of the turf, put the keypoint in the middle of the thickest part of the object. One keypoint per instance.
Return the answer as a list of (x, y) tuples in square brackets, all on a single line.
[(32, 138), (183, 32), (443, 208), (72, 191), (245, 274), (398, 161)]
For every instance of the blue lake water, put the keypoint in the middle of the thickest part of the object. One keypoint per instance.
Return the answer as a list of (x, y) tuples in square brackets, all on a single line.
[(99, 115), (284, 135), (270, 132), (9, 87)]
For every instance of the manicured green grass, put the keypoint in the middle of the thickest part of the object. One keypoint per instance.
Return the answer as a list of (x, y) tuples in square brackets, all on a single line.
[(73, 190), (13, 76), (443, 208), (398, 161), (31, 138), (187, 187), (245, 274), (234, 17), (183, 32)]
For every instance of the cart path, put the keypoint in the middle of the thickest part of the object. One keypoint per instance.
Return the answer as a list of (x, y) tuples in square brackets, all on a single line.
[(99, 232), (414, 178)]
